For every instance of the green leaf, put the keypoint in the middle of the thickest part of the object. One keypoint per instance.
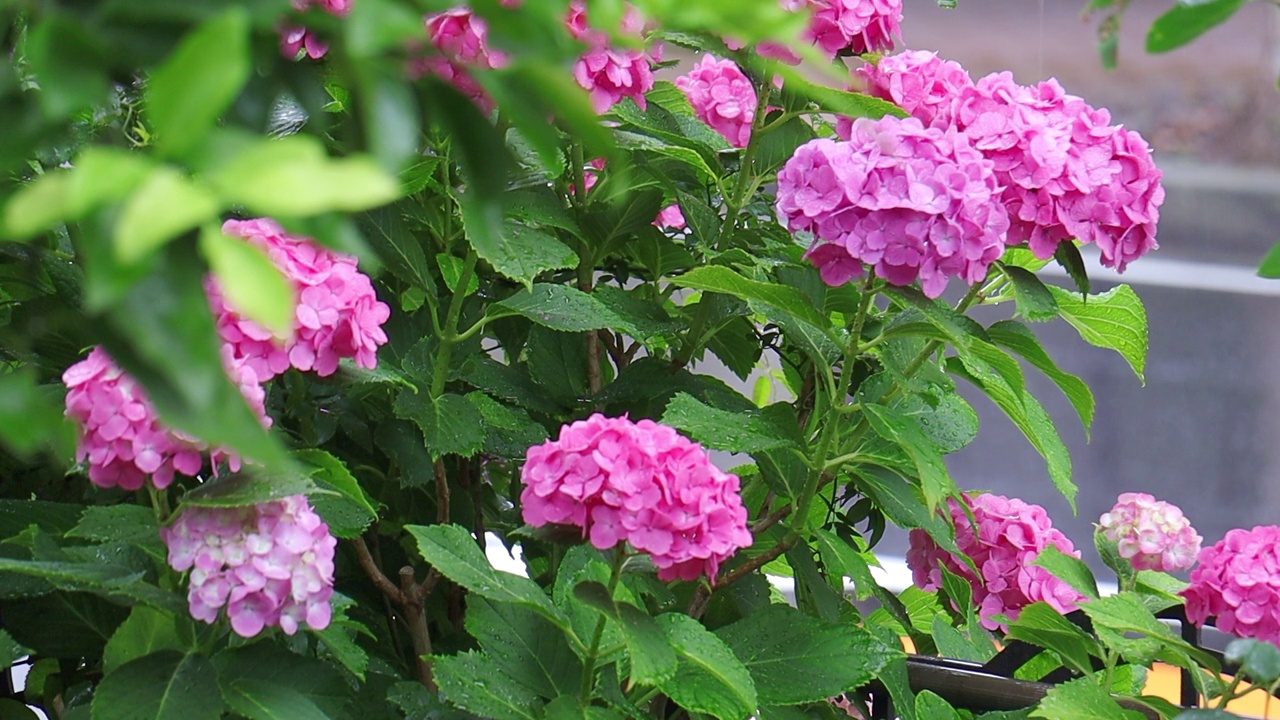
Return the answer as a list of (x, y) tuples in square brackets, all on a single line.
[(1034, 300), (248, 487), (67, 59), (117, 523), (932, 706), (794, 658), (475, 683), (652, 660), (113, 582), (38, 206), (1206, 714), (717, 278), (1260, 661), (399, 247), (339, 638), (904, 431), (252, 285), (1115, 320), (451, 550), (840, 102), (721, 429), (31, 417), (641, 318), (1042, 626), (522, 252), (842, 559), (1068, 256), (264, 700), (1187, 21), (510, 432), (710, 679), (1082, 699), (1118, 618), (1270, 266), (449, 424), (959, 330), (526, 648), (166, 206), (1021, 340), (451, 267), (187, 94), (345, 509), (147, 630), (10, 650), (558, 307), (294, 177), (1071, 570), (167, 685)]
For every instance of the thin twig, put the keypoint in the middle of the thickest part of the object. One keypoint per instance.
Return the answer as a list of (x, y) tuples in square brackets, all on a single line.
[(442, 493), (381, 581), (771, 519), (702, 597), (416, 620)]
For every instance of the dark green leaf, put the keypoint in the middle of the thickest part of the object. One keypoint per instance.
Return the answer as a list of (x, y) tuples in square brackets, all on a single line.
[(474, 682), (67, 60), (956, 328), (640, 318), (509, 432), (390, 236), (1068, 256), (449, 424), (523, 253), (1187, 21), (114, 582), (558, 307), (1041, 625), (710, 679), (1022, 341), (720, 279), (263, 700), (652, 660), (724, 430), (840, 102), (842, 559), (248, 487), (935, 480), (1035, 302), (117, 523), (10, 650), (166, 686), (932, 706), (526, 648), (1069, 569), (30, 417), (1082, 699), (345, 509), (1206, 714), (1116, 320), (1259, 660), (267, 662)]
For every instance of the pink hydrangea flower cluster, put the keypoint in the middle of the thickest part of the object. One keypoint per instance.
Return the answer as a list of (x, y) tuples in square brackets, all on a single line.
[(338, 315), (461, 40), (268, 565), (1237, 582), (854, 27), (914, 202), (641, 483), (1009, 535), (670, 218), (121, 436), (610, 73), (298, 39), (1151, 534), (722, 97), (1066, 171)]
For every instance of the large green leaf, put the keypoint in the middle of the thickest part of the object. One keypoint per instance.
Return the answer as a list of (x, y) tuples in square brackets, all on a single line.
[(251, 283), (346, 509), (10, 650), (1021, 340), (242, 669), (1069, 569), (1043, 626), (450, 424), (558, 307), (113, 582), (724, 430), (1188, 20), (652, 659), (265, 700), (794, 658), (709, 679), (523, 252), (957, 329), (451, 550), (249, 487), (147, 630), (1034, 300), (1115, 320), (475, 682), (167, 685), (1082, 699), (905, 431), (187, 94), (717, 278), (165, 206), (525, 647)]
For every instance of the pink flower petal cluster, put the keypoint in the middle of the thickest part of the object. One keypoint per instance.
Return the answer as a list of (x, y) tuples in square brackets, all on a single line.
[(1151, 534), (461, 40), (1066, 171), (268, 565), (610, 73), (121, 436), (1009, 535), (914, 202), (338, 315), (642, 483), (1237, 582), (670, 218), (295, 40), (722, 97), (854, 27)]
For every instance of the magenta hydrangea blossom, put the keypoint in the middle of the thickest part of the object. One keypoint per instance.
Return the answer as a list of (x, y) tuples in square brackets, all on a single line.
[(267, 565), (121, 436), (641, 483), (294, 41), (610, 73), (854, 26), (917, 81), (1237, 583), (1010, 535), (461, 40), (1151, 534), (337, 316), (914, 202), (670, 218), (722, 97)]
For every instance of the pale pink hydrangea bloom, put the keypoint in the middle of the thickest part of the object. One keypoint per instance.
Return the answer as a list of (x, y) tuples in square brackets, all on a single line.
[(722, 97), (854, 26), (1237, 583), (1151, 534), (337, 316), (914, 202), (297, 39), (268, 565), (1010, 535), (670, 218), (461, 39), (641, 483), (121, 436), (608, 73)]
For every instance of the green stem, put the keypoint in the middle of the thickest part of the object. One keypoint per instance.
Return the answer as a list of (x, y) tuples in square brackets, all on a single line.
[(593, 652), (449, 333), (745, 180), (160, 503), (1229, 693)]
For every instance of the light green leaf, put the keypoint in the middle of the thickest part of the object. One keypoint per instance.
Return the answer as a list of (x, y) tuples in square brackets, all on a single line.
[(652, 660), (103, 174), (717, 278), (723, 430), (450, 424), (841, 102), (1042, 626), (451, 550), (451, 267), (1270, 266), (165, 686), (187, 94), (252, 284), (264, 700), (39, 205), (164, 207), (1069, 569), (795, 659), (710, 679), (1115, 320), (1022, 341), (145, 631), (1186, 21), (558, 307), (1082, 699), (525, 647), (904, 431), (475, 683), (931, 705), (842, 559), (293, 176)]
